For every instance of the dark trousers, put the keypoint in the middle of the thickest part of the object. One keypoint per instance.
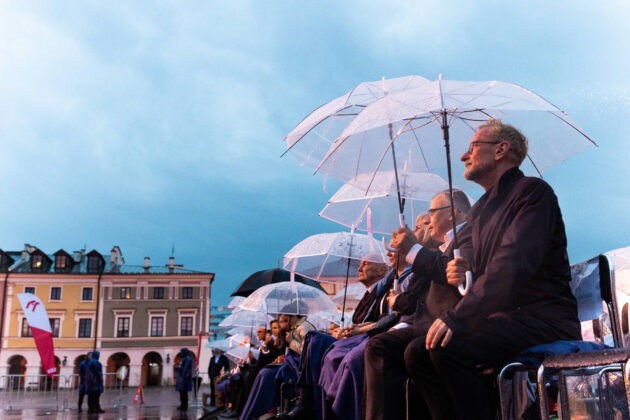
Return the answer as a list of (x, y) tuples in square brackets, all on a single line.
[(213, 399), (94, 404), (448, 377), (385, 374), (81, 395), (183, 399)]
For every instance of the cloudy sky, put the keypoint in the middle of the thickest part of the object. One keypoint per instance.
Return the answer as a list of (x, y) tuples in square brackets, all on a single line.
[(152, 124)]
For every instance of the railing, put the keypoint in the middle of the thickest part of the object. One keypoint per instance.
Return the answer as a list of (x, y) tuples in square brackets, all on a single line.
[(61, 392), (18, 390)]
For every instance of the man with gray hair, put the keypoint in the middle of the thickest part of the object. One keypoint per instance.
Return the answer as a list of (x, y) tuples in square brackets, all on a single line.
[(520, 296)]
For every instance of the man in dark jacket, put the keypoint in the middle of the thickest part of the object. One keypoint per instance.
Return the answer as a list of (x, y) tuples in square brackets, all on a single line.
[(184, 378), (94, 383), (521, 295), (219, 362), (82, 371), (385, 353)]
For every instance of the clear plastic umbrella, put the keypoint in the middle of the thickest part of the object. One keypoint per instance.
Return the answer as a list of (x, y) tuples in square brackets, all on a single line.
[(354, 293), (289, 298), (332, 257), (244, 318), (408, 131), (240, 353), (378, 210), (322, 320), (314, 135), (236, 300)]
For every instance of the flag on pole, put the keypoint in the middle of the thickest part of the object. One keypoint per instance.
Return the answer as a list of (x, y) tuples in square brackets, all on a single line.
[(37, 319)]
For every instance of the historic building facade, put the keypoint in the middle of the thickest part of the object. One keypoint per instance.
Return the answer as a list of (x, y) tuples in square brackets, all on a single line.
[(137, 316)]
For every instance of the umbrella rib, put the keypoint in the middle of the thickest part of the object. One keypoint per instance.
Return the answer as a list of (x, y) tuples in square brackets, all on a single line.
[(426, 164), (535, 167), (356, 172), (318, 123), (573, 126)]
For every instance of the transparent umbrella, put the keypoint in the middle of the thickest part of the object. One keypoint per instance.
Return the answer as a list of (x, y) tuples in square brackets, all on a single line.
[(314, 135), (288, 298), (414, 130), (353, 293), (245, 318), (332, 257)]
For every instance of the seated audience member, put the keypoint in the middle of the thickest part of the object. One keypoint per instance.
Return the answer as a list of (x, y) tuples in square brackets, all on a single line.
[(385, 370), (367, 311), (521, 295), (219, 364), (262, 395)]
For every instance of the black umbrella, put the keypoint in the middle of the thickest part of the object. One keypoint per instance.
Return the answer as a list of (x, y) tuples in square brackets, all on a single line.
[(265, 277)]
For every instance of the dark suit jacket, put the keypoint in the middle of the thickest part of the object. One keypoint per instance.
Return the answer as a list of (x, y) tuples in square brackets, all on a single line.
[(214, 369), (520, 261)]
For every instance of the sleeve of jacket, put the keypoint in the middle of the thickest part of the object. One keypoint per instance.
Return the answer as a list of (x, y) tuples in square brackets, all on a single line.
[(517, 258), (406, 301)]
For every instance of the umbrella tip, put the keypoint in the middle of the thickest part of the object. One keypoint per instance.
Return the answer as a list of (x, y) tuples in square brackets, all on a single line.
[(440, 77)]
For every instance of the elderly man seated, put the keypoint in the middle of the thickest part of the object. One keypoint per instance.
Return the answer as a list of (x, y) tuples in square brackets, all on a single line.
[(370, 308), (520, 296), (384, 355)]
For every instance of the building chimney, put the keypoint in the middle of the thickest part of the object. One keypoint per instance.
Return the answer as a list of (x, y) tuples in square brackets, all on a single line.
[(171, 264), (147, 262)]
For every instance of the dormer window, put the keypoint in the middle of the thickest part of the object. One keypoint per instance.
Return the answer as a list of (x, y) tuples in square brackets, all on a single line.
[(37, 262), (61, 263), (93, 265)]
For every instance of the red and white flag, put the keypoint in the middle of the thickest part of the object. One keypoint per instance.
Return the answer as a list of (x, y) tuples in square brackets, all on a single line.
[(37, 318)]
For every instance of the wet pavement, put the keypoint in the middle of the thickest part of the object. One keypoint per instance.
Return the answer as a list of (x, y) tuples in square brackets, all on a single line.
[(161, 403)]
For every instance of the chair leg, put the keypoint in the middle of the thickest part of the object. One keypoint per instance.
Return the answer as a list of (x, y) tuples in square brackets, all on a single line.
[(407, 417), (542, 393)]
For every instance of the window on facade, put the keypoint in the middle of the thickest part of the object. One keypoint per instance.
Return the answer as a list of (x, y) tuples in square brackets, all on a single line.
[(157, 326), (54, 326), (26, 330), (187, 293), (85, 327), (61, 261), (122, 329), (37, 261), (125, 292), (86, 294), (55, 293), (93, 265), (186, 327), (158, 293), (29, 290)]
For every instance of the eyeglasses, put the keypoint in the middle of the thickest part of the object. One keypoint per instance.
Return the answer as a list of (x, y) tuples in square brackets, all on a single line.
[(472, 144), (431, 211)]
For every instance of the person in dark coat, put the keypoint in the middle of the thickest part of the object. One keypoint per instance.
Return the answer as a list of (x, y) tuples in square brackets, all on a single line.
[(520, 296), (94, 383), (218, 363), (184, 378), (385, 370), (82, 371)]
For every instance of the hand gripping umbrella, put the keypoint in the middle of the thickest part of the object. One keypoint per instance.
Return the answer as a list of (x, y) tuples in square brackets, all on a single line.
[(329, 257), (413, 125)]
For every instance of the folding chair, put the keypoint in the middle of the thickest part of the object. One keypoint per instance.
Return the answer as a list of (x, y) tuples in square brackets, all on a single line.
[(599, 363), (592, 284)]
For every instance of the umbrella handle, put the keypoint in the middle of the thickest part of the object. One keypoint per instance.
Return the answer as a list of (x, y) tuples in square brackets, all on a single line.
[(387, 247), (463, 288), (401, 219)]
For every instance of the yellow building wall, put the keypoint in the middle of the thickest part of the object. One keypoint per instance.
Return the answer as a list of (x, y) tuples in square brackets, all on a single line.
[(69, 303)]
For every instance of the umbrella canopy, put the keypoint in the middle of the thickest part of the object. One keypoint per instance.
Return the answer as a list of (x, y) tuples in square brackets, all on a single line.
[(334, 257), (265, 277), (240, 353), (354, 208), (288, 298), (415, 121), (236, 300), (314, 135), (321, 320), (244, 318), (354, 293)]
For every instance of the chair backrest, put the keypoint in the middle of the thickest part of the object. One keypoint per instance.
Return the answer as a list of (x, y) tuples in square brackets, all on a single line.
[(592, 283)]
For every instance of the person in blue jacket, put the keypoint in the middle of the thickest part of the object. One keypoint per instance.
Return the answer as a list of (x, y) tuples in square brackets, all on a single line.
[(184, 378), (94, 383), (82, 370)]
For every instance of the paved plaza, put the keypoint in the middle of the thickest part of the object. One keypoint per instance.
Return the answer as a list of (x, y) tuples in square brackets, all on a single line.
[(161, 403)]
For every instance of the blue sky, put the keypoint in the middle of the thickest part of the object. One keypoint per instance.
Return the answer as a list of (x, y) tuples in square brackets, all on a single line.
[(145, 125)]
